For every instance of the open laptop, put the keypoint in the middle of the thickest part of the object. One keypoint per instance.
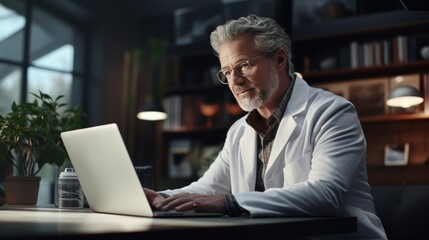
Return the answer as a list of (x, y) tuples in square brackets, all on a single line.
[(107, 175)]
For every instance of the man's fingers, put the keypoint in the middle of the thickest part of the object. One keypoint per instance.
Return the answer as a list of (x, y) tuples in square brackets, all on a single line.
[(174, 202)]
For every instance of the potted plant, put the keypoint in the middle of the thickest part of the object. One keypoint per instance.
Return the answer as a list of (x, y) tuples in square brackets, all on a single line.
[(30, 138)]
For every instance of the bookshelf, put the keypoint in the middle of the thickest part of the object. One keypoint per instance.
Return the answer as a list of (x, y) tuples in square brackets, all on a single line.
[(189, 72), (191, 83), (188, 137), (375, 49)]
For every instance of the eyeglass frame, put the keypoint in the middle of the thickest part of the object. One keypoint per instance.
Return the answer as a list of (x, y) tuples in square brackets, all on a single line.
[(241, 63)]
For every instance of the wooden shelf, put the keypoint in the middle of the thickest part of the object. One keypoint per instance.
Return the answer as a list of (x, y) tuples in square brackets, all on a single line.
[(365, 25), (195, 89), (349, 73), (394, 117), (411, 174), (195, 130)]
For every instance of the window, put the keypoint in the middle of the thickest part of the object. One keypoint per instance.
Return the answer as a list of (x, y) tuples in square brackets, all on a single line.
[(12, 24), (38, 51)]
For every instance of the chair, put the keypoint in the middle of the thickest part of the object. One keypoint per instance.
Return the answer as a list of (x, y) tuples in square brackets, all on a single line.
[(403, 210)]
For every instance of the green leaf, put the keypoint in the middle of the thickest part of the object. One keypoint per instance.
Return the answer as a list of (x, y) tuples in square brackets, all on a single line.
[(32, 131)]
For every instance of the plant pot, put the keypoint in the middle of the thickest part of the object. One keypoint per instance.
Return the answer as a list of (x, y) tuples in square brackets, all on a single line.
[(22, 190)]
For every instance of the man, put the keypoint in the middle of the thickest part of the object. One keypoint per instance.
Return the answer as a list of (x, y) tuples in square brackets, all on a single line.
[(300, 151)]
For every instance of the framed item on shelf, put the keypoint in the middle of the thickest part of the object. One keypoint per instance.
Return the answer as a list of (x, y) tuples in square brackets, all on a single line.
[(193, 24), (339, 88), (309, 12), (369, 96), (179, 163), (396, 154)]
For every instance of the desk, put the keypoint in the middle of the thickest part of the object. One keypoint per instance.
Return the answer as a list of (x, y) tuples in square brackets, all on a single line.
[(53, 223)]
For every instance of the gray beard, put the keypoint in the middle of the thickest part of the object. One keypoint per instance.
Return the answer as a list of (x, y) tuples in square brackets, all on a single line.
[(249, 104)]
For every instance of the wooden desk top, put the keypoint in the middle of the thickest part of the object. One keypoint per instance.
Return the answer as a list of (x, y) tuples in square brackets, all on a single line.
[(54, 223)]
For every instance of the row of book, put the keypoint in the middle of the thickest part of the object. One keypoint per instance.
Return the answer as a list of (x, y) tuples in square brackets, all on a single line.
[(174, 110), (395, 50), (192, 110), (368, 53), (184, 111)]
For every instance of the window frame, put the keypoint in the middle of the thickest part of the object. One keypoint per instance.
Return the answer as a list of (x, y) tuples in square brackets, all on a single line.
[(80, 53)]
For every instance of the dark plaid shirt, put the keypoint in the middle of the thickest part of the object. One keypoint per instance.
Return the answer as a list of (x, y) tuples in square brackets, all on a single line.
[(267, 130)]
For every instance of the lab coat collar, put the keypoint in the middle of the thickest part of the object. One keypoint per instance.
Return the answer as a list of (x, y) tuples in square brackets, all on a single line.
[(248, 155), (288, 124)]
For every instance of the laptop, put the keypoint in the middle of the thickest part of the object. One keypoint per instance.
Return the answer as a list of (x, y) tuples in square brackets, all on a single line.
[(107, 175)]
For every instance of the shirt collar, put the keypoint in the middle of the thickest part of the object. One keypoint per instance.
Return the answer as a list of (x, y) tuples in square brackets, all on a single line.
[(254, 119)]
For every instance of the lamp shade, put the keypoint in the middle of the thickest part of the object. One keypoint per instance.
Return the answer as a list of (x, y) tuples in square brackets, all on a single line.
[(404, 97), (152, 112)]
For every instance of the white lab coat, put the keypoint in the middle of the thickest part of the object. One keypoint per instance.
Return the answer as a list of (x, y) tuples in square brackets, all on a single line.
[(316, 168)]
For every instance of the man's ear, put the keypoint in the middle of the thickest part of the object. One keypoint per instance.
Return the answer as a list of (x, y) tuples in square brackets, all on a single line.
[(281, 59)]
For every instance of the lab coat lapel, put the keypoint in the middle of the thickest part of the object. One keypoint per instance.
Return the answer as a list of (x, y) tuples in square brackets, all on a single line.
[(288, 124), (284, 132), (248, 158)]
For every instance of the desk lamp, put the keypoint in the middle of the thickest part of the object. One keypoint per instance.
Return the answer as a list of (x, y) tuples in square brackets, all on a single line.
[(152, 112), (404, 96)]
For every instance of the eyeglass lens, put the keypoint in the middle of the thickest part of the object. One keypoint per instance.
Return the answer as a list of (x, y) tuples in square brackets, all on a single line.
[(243, 69)]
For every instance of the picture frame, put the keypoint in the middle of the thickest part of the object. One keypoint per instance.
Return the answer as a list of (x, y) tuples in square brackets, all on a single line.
[(367, 95), (192, 25), (307, 12), (179, 164), (396, 154), (340, 88)]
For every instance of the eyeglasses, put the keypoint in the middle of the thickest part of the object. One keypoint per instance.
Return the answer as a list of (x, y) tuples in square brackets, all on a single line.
[(243, 69)]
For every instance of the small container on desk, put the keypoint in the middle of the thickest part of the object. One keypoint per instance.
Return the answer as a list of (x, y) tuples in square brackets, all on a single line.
[(70, 194)]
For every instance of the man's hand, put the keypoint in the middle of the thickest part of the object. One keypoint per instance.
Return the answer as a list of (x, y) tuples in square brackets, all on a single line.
[(153, 197), (186, 202)]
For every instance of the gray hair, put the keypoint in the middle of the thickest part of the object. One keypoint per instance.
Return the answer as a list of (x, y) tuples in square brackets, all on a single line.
[(268, 34)]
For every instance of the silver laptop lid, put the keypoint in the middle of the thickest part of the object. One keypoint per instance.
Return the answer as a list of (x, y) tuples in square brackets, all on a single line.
[(105, 170)]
